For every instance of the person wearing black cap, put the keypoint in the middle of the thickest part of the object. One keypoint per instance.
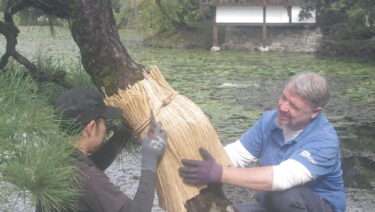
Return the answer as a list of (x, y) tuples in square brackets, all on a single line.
[(85, 110)]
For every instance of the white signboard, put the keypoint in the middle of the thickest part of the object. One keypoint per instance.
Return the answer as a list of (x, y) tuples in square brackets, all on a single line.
[(277, 14), (235, 14), (254, 14)]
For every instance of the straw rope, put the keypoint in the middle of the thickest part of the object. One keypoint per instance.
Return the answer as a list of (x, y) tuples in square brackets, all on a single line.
[(187, 126), (152, 114)]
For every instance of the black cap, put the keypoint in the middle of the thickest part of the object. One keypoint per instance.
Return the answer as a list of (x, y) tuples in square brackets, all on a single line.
[(84, 105)]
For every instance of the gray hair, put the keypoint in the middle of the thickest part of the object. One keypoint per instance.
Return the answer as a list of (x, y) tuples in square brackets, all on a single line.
[(311, 86)]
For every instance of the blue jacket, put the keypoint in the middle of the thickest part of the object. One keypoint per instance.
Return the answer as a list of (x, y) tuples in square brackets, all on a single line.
[(316, 147)]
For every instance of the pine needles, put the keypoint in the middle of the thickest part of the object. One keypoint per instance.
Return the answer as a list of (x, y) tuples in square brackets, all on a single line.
[(34, 155)]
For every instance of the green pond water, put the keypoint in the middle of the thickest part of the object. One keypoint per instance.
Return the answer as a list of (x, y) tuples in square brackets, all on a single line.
[(232, 87)]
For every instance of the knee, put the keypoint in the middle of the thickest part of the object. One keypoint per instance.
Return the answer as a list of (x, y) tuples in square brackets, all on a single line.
[(286, 201)]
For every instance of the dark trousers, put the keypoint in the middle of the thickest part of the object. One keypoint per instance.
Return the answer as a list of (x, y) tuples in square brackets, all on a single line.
[(296, 199)]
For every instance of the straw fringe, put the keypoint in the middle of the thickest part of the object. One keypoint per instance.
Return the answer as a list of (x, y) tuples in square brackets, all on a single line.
[(187, 126)]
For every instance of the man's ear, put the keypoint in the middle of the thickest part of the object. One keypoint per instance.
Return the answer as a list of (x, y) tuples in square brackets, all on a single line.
[(316, 112), (89, 128)]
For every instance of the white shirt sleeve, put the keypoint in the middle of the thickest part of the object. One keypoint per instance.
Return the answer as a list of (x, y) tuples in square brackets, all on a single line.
[(288, 174), (238, 154)]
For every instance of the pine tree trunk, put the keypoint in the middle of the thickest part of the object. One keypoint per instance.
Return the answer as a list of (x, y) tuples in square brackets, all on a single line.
[(103, 56)]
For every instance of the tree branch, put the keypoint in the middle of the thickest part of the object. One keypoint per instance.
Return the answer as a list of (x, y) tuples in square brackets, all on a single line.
[(10, 32), (58, 8), (13, 10)]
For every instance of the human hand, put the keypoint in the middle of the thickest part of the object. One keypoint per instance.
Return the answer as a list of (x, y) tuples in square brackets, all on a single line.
[(201, 172), (154, 145)]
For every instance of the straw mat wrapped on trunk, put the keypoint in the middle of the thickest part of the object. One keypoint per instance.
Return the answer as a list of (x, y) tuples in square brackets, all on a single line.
[(187, 126)]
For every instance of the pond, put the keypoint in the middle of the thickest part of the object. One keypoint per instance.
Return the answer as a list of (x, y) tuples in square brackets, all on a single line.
[(232, 87)]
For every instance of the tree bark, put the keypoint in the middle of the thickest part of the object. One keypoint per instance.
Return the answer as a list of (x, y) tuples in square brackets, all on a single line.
[(103, 56), (210, 199)]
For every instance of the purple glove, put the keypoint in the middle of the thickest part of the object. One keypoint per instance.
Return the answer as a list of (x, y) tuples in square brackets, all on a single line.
[(201, 172)]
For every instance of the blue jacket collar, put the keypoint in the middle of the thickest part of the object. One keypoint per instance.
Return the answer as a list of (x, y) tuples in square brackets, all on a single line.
[(306, 130)]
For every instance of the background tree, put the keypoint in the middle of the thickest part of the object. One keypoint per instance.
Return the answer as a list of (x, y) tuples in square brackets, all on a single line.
[(348, 26), (155, 16), (355, 18)]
